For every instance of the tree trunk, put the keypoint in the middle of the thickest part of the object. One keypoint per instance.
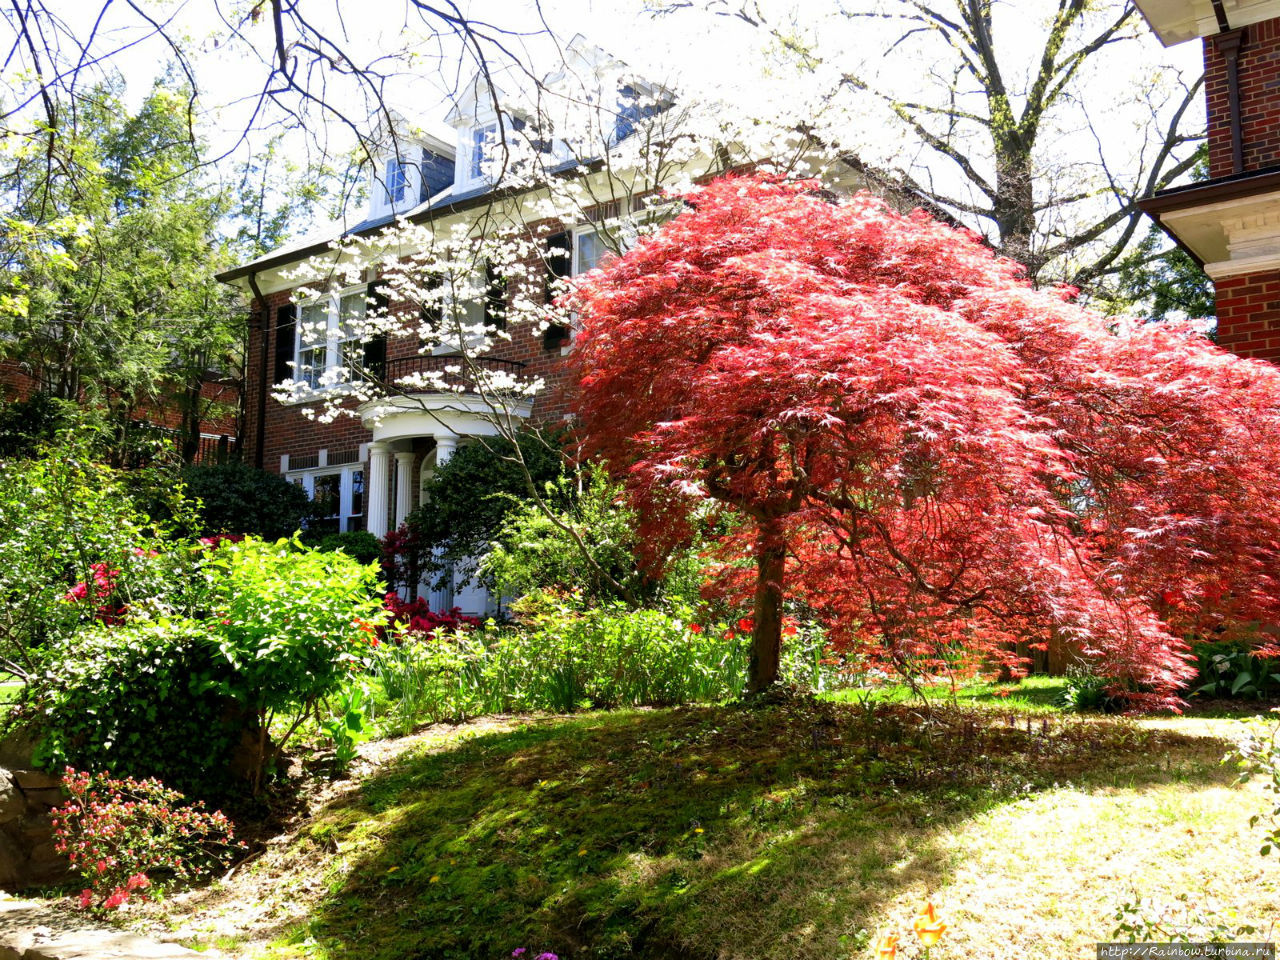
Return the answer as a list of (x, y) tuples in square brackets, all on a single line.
[(1014, 205), (766, 635)]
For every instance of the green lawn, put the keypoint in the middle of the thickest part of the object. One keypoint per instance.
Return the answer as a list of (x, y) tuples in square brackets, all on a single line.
[(800, 830), (1039, 695)]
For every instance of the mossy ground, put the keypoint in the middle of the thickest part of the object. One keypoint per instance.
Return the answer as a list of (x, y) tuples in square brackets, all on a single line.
[(798, 830)]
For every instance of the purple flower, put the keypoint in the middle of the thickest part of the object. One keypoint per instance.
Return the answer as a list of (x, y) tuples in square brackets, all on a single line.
[(546, 956), (518, 952)]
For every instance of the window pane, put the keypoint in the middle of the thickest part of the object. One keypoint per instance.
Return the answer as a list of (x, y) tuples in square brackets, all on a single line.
[(314, 328), (351, 311), (591, 250), (310, 366), (355, 519), (481, 138), (327, 499), (395, 180), (351, 308)]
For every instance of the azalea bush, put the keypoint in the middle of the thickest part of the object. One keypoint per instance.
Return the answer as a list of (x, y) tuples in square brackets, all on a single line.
[(127, 838), (416, 617)]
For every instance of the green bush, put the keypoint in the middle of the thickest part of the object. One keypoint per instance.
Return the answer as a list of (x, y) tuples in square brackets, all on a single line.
[(292, 623), (236, 498), (1234, 670), (1086, 691), (63, 518), (564, 658), (466, 501), (359, 545), (144, 698), (27, 426), (272, 629), (533, 552)]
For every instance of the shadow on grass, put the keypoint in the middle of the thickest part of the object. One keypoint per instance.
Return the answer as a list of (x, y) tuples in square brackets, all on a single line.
[(695, 833)]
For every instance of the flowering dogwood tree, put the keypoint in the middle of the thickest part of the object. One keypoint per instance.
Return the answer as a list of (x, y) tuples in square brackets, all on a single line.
[(598, 148), (937, 458)]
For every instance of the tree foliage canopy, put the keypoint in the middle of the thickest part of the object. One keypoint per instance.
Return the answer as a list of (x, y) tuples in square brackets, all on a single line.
[(948, 460)]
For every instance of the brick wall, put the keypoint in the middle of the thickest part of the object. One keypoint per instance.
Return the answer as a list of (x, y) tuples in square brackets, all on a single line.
[(1259, 71), (16, 384), (1249, 314)]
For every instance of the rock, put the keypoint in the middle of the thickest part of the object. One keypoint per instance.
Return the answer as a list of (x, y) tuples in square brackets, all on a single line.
[(12, 803), (43, 800), (13, 863), (43, 931), (36, 780), (46, 866), (17, 750)]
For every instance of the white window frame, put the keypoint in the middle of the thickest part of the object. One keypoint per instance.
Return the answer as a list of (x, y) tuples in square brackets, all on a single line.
[(334, 343), (579, 233), (380, 200), (450, 305), (346, 490), (478, 139)]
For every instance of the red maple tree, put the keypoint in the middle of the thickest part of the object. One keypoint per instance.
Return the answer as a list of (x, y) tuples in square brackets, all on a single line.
[(937, 458)]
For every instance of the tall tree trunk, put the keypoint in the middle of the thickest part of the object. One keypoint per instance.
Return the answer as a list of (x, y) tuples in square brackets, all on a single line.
[(1014, 205), (766, 635)]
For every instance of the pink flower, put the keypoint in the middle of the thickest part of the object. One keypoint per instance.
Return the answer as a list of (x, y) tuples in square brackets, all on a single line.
[(86, 899)]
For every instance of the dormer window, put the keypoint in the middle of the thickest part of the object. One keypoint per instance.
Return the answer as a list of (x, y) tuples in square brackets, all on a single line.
[(397, 179), (482, 137)]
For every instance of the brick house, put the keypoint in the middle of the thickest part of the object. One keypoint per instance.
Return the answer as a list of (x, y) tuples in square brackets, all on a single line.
[(369, 469), (1230, 224)]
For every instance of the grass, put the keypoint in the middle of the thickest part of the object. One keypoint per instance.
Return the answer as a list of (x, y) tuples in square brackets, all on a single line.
[(1036, 695), (797, 830)]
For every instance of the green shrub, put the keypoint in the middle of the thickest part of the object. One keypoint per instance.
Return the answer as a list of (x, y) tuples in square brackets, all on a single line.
[(27, 426), (237, 498), (1234, 670), (145, 698), (1257, 753), (1087, 690), (274, 627), (359, 545), (466, 501), (63, 518), (292, 623), (533, 552), (564, 658)]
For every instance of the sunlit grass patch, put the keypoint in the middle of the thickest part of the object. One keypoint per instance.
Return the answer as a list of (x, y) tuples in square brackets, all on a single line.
[(789, 831)]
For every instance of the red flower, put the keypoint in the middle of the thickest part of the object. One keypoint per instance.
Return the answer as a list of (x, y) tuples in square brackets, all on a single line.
[(695, 628), (745, 624)]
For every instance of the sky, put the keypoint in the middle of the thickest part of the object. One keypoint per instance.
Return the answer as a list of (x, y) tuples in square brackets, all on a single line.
[(1097, 134)]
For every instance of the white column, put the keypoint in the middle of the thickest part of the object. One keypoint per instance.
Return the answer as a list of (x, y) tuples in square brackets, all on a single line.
[(404, 486), (446, 444), (379, 473)]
